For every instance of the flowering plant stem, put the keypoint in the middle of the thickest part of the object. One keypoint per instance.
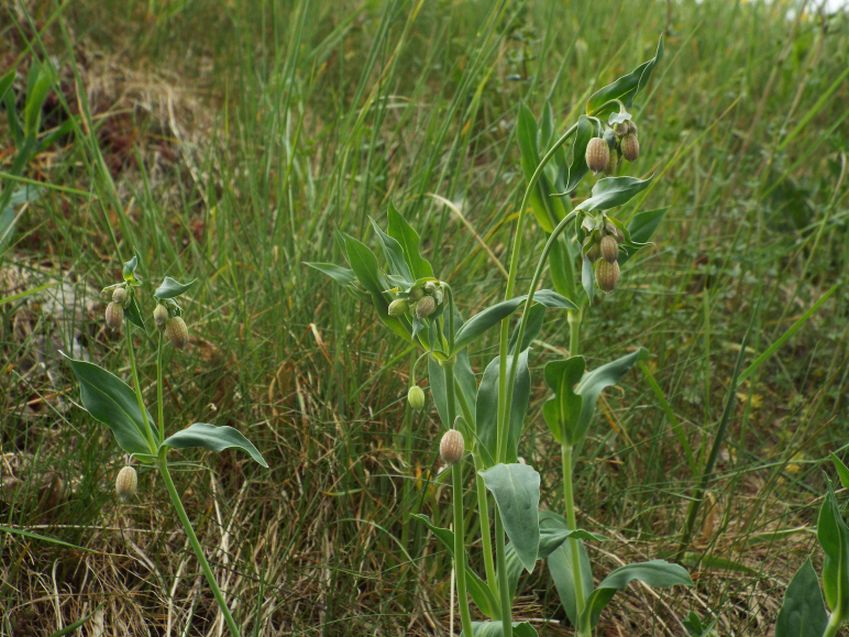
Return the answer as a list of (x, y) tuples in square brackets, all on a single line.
[(162, 465), (834, 621)]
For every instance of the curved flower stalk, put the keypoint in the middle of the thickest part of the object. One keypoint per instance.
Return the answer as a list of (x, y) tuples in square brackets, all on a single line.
[(587, 242), (121, 407)]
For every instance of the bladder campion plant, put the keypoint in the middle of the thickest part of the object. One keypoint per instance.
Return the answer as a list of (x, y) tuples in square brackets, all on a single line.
[(120, 407), (587, 242), (803, 613)]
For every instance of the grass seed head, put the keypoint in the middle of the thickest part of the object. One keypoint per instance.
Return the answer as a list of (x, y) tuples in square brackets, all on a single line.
[(160, 316), (127, 483), (451, 447), (416, 398), (119, 295), (399, 307), (609, 248), (425, 307), (630, 146), (597, 155), (177, 332), (114, 316), (607, 275)]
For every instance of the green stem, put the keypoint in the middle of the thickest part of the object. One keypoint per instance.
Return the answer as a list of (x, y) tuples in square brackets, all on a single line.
[(151, 439), (160, 400), (574, 317), (834, 621), (512, 274), (459, 518), (572, 524), (503, 584), (460, 548), (198, 549)]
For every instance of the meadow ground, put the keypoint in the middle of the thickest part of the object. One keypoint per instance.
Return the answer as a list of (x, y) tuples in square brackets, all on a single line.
[(229, 141)]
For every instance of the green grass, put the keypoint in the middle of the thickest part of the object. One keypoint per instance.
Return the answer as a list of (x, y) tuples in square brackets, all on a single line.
[(228, 142)]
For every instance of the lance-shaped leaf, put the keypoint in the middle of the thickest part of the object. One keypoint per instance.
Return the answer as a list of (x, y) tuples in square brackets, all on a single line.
[(133, 312), (491, 316), (129, 270), (639, 232), (560, 563), (577, 160), (170, 288), (408, 239), (112, 402), (803, 611), (478, 589), (395, 257), (656, 573), (547, 210), (213, 438), (342, 276), (515, 488), (487, 409), (610, 192), (624, 88), (496, 629), (833, 536)]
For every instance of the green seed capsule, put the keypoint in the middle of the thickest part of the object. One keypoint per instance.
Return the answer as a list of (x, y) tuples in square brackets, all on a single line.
[(425, 307), (451, 447), (127, 483), (609, 248), (630, 146), (399, 307), (597, 154), (160, 316), (114, 316), (119, 296), (607, 275), (594, 253), (416, 398), (177, 332)]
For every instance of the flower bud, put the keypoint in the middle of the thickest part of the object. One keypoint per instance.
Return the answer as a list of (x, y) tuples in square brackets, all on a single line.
[(176, 331), (425, 307), (597, 155), (119, 295), (609, 248), (630, 146), (114, 316), (451, 447), (607, 275), (160, 316), (127, 483), (416, 398), (399, 307)]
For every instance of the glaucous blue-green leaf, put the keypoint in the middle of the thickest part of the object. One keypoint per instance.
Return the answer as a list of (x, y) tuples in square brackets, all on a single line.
[(577, 160), (213, 438), (395, 257), (561, 267), (515, 488), (594, 382), (533, 325), (610, 192), (408, 239), (588, 278), (553, 532), (496, 629), (655, 573), (833, 536), (803, 612), (624, 88), (538, 199), (841, 469), (559, 564), (342, 276), (491, 316), (478, 589), (133, 311), (562, 413), (465, 378), (128, 271), (487, 409), (170, 288), (639, 232), (112, 402)]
